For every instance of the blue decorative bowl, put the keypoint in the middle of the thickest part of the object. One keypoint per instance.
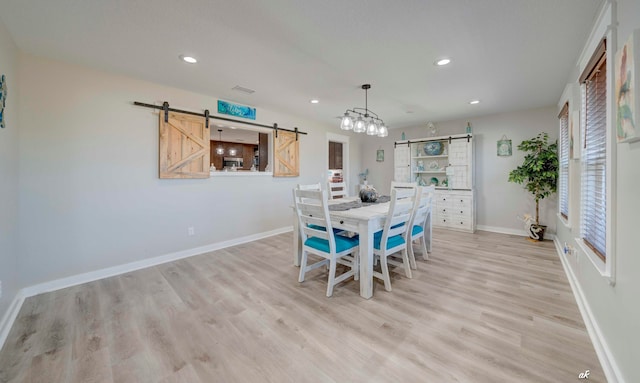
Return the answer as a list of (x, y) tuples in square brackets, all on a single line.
[(433, 148)]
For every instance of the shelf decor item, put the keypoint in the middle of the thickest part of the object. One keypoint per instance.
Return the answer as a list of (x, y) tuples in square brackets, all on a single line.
[(433, 148), (432, 129), (538, 173), (627, 71), (504, 147)]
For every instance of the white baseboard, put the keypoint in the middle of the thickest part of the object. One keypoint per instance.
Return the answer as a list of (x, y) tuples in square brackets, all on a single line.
[(506, 230), (609, 365), (12, 313), (10, 316)]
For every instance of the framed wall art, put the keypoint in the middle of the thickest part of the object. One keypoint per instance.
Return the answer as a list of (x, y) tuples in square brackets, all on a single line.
[(504, 147), (380, 155), (627, 71), (243, 111)]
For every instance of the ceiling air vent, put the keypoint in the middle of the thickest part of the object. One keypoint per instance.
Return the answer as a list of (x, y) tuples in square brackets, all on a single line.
[(243, 89)]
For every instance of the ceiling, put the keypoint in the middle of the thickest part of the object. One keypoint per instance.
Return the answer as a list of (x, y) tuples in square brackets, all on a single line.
[(510, 54)]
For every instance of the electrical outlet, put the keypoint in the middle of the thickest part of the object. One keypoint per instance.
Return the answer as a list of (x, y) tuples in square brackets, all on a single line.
[(191, 231)]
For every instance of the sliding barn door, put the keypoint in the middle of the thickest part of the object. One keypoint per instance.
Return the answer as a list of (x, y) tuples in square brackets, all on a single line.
[(184, 146), (286, 155)]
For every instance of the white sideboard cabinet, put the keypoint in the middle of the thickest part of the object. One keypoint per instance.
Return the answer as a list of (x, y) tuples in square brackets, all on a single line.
[(446, 162)]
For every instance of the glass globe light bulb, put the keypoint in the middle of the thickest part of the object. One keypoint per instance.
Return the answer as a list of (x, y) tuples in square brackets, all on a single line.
[(347, 122), (372, 128), (359, 126)]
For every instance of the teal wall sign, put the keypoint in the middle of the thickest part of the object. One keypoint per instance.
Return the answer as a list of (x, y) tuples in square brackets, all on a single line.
[(236, 110)]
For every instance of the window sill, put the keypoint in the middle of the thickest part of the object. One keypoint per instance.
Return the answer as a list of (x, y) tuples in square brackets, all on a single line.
[(564, 221), (599, 264), (241, 173)]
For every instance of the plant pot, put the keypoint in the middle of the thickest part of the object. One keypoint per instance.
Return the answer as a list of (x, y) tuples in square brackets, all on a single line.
[(536, 232)]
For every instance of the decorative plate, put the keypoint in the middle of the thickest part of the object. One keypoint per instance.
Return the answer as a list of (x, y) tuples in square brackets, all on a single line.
[(433, 148)]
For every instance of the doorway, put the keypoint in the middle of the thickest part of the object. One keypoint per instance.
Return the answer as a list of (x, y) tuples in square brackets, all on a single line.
[(338, 158)]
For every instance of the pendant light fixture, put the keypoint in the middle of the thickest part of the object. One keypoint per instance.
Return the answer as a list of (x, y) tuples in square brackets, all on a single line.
[(366, 121), (220, 149)]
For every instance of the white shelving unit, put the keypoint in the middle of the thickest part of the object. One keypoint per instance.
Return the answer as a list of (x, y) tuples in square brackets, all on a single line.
[(447, 163)]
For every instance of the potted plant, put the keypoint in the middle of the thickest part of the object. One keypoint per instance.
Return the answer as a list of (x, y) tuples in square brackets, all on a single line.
[(539, 174)]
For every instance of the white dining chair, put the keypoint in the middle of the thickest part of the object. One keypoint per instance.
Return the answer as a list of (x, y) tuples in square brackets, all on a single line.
[(403, 185), (420, 223), (316, 186), (337, 190), (318, 238), (392, 239)]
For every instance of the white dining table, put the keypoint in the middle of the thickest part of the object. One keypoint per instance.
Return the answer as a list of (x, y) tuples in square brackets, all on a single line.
[(365, 221)]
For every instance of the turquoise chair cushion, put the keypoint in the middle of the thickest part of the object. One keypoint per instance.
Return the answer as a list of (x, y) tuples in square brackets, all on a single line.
[(342, 243), (416, 230), (392, 242)]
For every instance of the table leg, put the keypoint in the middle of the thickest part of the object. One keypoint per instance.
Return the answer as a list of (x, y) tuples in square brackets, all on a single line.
[(366, 259)]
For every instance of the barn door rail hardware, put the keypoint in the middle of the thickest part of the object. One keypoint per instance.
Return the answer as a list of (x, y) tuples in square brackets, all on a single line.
[(166, 109), (467, 137)]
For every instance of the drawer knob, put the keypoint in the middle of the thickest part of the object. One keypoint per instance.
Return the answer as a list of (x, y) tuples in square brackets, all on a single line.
[(460, 211), (461, 200), (341, 222)]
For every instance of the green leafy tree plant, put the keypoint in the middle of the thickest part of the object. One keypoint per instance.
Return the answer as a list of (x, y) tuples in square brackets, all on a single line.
[(539, 171)]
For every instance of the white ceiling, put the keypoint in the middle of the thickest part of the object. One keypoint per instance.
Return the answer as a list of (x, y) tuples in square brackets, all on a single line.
[(510, 54)]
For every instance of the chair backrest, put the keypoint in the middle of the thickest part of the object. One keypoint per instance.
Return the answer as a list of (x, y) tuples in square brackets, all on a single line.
[(422, 205), (403, 185), (400, 210), (313, 215), (337, 190), (315, 186)]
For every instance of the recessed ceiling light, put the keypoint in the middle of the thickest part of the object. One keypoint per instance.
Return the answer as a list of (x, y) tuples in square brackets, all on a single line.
[(314, 101), (473, 102), (442, 62), (188, 59)]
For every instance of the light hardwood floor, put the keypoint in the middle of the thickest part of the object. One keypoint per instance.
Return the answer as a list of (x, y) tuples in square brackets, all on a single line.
[(485, 308)]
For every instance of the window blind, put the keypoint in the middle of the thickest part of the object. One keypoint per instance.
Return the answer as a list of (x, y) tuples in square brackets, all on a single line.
[(563, 176), (594, 169)]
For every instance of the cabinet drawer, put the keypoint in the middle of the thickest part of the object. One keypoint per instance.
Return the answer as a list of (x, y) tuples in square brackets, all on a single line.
[(460, 202), (463, 211), (442, 220), (460, 222)]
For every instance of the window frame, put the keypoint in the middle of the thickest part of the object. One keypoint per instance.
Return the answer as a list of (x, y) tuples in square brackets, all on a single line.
[(563, 161), (605, 28)]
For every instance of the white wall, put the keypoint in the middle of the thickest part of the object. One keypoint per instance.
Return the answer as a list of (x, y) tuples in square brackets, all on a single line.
[(90, 193), (615, 310), (498, 201), (9, 174)]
